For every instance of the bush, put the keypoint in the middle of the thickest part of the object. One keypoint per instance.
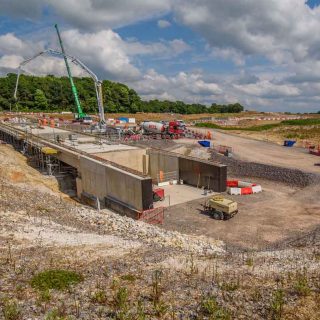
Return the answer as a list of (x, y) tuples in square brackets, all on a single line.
[(55, 279)]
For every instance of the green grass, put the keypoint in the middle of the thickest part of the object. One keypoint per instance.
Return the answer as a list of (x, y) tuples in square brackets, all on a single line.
[(211, 309), (55, 279), (301, 122), (11, 310), (252, 128), (264, 127)]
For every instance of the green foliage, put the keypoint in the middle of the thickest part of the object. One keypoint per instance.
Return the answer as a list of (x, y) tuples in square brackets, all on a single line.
[(301, 285), (99, 297), (54, 94), (249, 262), (56, 315), (253, 128), (11, 310), (229, 286), (55, 279), (277, 304), (301, 122), (128, 277), (40, 100), (211, 309), (121, 303)]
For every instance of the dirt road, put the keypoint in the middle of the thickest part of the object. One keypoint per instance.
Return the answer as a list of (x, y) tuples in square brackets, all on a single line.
[(264, 152), (278, 213)]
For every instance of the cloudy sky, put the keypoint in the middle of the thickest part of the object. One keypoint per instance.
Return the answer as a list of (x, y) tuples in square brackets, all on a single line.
[(264, 54)]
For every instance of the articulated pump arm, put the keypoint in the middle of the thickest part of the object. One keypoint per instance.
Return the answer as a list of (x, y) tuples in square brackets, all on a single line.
[(97, 82), (81, 114)]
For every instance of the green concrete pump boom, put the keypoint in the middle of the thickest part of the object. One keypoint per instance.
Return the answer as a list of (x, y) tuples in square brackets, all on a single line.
[(81, 114)]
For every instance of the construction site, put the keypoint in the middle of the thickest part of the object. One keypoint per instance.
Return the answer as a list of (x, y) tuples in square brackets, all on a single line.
[(162, 219)]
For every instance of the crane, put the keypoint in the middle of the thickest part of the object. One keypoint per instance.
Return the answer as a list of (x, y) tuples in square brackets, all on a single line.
[(52, 52)]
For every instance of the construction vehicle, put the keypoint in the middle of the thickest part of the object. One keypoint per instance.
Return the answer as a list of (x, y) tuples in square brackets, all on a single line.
[(221, 208), (77, 62), (80, 116), (169, 130)]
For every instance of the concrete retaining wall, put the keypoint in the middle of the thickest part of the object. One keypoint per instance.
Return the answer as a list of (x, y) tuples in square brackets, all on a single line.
[(159, 161), (193, 171), (252, 169), (128, 158), (102, 180), (203, 174)]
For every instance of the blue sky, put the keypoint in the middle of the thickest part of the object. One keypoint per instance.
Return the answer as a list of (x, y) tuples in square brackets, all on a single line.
[(263, 54)]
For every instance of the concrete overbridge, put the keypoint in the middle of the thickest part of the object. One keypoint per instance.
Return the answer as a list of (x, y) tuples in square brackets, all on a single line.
[(121, 177)]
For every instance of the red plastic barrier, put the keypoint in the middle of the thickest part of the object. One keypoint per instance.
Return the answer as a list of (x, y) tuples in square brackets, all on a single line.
[(246, 190), (232, 183)]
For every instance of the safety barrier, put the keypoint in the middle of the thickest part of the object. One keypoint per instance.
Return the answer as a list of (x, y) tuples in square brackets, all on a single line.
[(236, 187), (152, 216)]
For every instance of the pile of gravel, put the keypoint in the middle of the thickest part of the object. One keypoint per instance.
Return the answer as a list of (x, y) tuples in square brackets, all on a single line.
[(138, 230), (289, 176)]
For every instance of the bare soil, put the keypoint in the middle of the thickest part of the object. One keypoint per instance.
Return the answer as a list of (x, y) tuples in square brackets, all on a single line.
[(278, 213)]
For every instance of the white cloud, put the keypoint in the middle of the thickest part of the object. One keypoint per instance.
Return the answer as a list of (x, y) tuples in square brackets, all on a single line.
[(267, 89), (278, 29), (163, 23), (10, 62), (189, 87)]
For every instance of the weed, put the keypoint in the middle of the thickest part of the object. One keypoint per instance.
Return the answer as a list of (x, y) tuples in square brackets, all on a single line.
[(99, 297), (277, 304), (301, 286), (55, 279), (156, 286), (249, 262), (128, 277), (121, 303), (230, 286), (140, 315), (210, 308), (11, 310), (44, 298), (55, 315), (161, 309)]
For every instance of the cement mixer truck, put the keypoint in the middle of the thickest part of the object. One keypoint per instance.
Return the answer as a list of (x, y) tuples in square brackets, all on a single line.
[(170, 130)]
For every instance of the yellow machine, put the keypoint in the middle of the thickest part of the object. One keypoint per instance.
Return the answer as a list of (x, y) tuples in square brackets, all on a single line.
[(221, 208)]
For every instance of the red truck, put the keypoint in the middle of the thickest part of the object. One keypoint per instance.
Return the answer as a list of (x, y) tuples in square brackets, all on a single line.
[(171, 129)]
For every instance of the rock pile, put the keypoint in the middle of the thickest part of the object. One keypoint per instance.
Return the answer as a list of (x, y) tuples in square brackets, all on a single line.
[(128, 228), (289, 176)]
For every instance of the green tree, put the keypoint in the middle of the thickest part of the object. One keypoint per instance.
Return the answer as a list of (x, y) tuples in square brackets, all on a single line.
[(40, 100)]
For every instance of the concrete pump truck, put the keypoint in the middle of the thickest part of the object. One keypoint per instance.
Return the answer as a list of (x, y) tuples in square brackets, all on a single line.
[(80, 116)]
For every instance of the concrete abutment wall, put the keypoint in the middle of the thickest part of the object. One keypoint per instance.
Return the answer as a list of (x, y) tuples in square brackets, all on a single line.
[(193, 171)]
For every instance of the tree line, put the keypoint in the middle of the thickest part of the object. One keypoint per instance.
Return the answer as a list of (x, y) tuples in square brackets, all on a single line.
[(54, 94)]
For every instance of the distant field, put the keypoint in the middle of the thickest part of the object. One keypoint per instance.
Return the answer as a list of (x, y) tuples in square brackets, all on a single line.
[(302, 130), (263, 127)]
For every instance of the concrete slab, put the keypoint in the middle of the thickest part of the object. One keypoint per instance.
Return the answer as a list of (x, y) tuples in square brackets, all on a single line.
[(176, 194), (93, 148)]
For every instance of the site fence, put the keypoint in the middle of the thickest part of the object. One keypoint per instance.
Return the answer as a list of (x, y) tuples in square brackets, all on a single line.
[(152, 216)]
